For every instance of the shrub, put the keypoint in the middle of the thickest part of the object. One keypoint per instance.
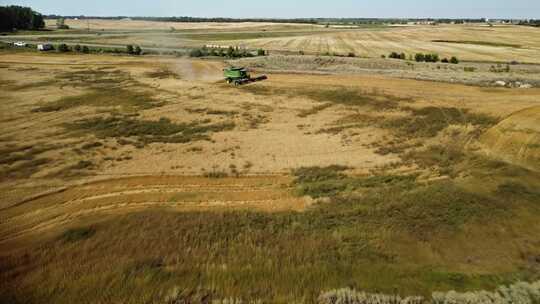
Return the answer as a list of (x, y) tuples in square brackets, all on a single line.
[(419, 57), (129, 49), (230, 52), (261, 52), (85, 49), (63, 48), (351, 54), (454, 60), (431, 58), (351, 296), (520, 292), (196, 53), (60, 24), (445, 60), (77, 48), (469, 69), (394, 55), (137, 50)]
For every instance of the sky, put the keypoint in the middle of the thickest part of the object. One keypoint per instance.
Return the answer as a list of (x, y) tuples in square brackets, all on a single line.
[(290, 8)]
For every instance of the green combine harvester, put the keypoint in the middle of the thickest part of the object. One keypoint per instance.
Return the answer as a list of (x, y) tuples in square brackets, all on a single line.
[(239, 76)]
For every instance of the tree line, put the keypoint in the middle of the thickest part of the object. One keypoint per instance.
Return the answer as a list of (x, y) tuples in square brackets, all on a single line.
[(20, 18), (420, 57), (351, 21)]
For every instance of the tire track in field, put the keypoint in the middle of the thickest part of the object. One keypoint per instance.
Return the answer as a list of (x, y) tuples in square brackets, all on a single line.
[(47, 210)]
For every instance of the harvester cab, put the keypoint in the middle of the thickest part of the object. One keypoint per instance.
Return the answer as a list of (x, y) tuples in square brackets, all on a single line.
[(239, 76)]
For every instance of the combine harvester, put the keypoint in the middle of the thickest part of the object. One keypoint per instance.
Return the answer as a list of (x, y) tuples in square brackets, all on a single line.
[(239, 76)]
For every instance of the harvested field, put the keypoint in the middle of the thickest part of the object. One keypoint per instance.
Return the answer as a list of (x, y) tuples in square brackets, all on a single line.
[(136, 179)]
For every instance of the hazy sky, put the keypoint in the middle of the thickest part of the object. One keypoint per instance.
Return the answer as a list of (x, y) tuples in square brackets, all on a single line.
[(289, 8)]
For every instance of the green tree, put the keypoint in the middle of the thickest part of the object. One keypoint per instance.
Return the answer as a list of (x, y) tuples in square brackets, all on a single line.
[(230, 52), (18, 17), (77, 48), (137, 50), (37, 21), (261, 52), (129, 49), (85, 49), (454, 60), (61, 24), (419, 57), (196, 53), (63, 48)]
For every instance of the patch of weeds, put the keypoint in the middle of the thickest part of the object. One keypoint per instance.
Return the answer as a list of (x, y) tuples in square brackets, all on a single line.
[(316, 174), (314, 110), (194, 149), (338, 129), (443, 157), (429, 121), (435, 207), (163, 73), (247, 165), (343, 96), (35, 85), (234, 170), (352, 121), (221, 112), (77, 234), (254, 120), (95, 78), (332, 181), (148, 131), (515, 190), (125, 142), (105, 97), (93, 145), (197, 110), (22, 161), (81, 165), (216, 174), (76, 169), (23, 169)]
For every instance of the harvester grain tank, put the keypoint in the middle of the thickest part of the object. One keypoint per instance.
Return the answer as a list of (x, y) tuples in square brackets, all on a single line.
[(240, 75)]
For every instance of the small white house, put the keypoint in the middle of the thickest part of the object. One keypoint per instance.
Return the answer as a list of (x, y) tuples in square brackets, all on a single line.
[(44, 47)]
